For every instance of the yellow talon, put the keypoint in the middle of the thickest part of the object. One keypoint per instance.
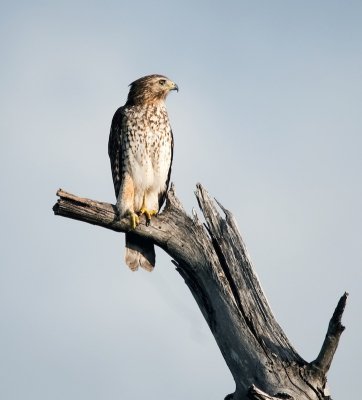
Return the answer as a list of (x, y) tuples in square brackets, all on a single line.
[(134, 220), (148, 214)]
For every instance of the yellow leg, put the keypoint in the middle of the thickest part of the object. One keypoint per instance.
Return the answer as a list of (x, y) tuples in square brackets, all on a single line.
[(147, 213), (133, 219)]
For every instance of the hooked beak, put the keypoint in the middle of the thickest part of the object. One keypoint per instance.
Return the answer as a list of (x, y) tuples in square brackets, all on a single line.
[(174, 87)]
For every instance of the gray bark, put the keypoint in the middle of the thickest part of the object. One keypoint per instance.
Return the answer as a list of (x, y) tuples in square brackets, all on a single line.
[(213, 261)]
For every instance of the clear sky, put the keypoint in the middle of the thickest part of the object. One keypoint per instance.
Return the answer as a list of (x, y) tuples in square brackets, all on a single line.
[(268, 118)]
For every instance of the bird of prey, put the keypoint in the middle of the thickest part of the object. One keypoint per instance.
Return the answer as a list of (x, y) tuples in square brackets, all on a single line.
[(140, 149)]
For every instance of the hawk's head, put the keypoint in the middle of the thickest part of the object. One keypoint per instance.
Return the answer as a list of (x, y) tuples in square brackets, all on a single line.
[(150, 89)]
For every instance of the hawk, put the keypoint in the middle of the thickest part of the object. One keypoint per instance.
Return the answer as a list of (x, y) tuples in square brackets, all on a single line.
[(140, 149)]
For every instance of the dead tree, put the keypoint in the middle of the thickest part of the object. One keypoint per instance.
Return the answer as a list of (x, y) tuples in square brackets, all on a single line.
[(213, 261)]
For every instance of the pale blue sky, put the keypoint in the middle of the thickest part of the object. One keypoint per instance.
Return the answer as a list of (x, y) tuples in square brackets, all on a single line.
[(268, 118)]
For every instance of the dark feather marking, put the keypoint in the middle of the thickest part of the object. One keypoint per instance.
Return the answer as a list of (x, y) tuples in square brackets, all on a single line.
[(162, 195), (114, 149)]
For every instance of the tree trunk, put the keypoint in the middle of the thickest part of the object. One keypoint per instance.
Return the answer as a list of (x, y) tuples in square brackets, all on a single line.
[(213, 261)]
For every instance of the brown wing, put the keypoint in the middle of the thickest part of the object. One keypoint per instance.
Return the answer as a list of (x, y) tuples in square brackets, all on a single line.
[(162, 195), (114, 149)]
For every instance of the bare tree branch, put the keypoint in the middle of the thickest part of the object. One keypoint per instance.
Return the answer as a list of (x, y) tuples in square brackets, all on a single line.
[(213, 260), (324, 360)]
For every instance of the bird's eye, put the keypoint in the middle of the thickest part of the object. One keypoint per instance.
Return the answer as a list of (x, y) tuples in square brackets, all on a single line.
[(162, 81)]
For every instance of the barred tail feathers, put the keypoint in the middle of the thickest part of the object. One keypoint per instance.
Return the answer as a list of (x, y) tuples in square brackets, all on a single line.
[(140, 252)]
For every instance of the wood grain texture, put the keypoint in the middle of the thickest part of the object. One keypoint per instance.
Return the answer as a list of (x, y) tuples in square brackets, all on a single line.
[(214, 262)]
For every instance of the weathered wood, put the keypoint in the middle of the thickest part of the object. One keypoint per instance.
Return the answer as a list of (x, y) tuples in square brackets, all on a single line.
[(257, 394), (323, 362), (213, 260)]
